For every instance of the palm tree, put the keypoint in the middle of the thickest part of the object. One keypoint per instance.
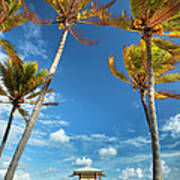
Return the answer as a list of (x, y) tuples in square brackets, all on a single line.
[(10, 18), (162, 61), (150, 18), (70, 12), (19, 84)]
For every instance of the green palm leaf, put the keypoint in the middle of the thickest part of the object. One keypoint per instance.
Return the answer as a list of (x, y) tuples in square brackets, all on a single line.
[(13, 19), (164, 56), (23, 113), (168, 78), (114, 71)]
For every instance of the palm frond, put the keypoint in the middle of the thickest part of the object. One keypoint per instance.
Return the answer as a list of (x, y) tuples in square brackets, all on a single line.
[(161, 15), (169, 94), (114, 71), (167, 45), (33, 17), (13, 19), (9, 48), (35, 94), (139, 8), (160, 96), (172, 24), (81, 38), (3, 92), (168, 78), (44, 104), (23, 113)]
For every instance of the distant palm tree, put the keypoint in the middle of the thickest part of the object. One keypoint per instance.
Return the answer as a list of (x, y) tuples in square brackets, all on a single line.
[(150, 18), (10, 18), (19, 84), (70, 12), (162, 61)]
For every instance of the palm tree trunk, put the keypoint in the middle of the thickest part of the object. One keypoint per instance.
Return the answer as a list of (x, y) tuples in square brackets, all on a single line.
[(157, 171), (26, 135), (145, 107), (7, 129)]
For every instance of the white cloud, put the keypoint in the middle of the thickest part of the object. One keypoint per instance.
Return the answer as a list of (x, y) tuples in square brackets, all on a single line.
[(130, 173), (82, 162), (19, 174), (170, 155), (50, 170), (32, 30), (137, 142), (29, 48), (15, 132), (94, 137), (59, 136), (37, 142), (165, 169), (1, 34), (106, 153), (54, 122), (33, 43), (3, 56), (173, 126), (173, 145), (102, 137)]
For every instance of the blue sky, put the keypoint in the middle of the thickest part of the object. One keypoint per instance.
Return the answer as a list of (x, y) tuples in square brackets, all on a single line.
[(100, 120)]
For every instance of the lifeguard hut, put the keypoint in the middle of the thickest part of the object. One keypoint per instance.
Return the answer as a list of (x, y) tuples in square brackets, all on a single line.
[(88, 173)]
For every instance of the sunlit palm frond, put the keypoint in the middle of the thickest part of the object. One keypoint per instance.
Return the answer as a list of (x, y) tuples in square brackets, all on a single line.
[(160, 96), (168, 78), (13, 18), (115, 72), (161, 15), (33, 17), (139, 8), (134, 58), (9, 48), (80, 37), (169, 94), (71, 12), (149, 16), (167, 45)]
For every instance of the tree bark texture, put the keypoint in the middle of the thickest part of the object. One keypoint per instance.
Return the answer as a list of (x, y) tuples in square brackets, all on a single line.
[(157, 171), (26, 135)]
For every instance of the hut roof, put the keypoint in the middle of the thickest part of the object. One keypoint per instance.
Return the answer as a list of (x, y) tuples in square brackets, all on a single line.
[(87, 170)]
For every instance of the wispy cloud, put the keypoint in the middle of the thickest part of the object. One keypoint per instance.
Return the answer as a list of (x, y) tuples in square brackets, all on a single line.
[(33, 42), (20, 173), (137, 142), (172, 126), (51, 171), (94, 138), (54, 122)]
